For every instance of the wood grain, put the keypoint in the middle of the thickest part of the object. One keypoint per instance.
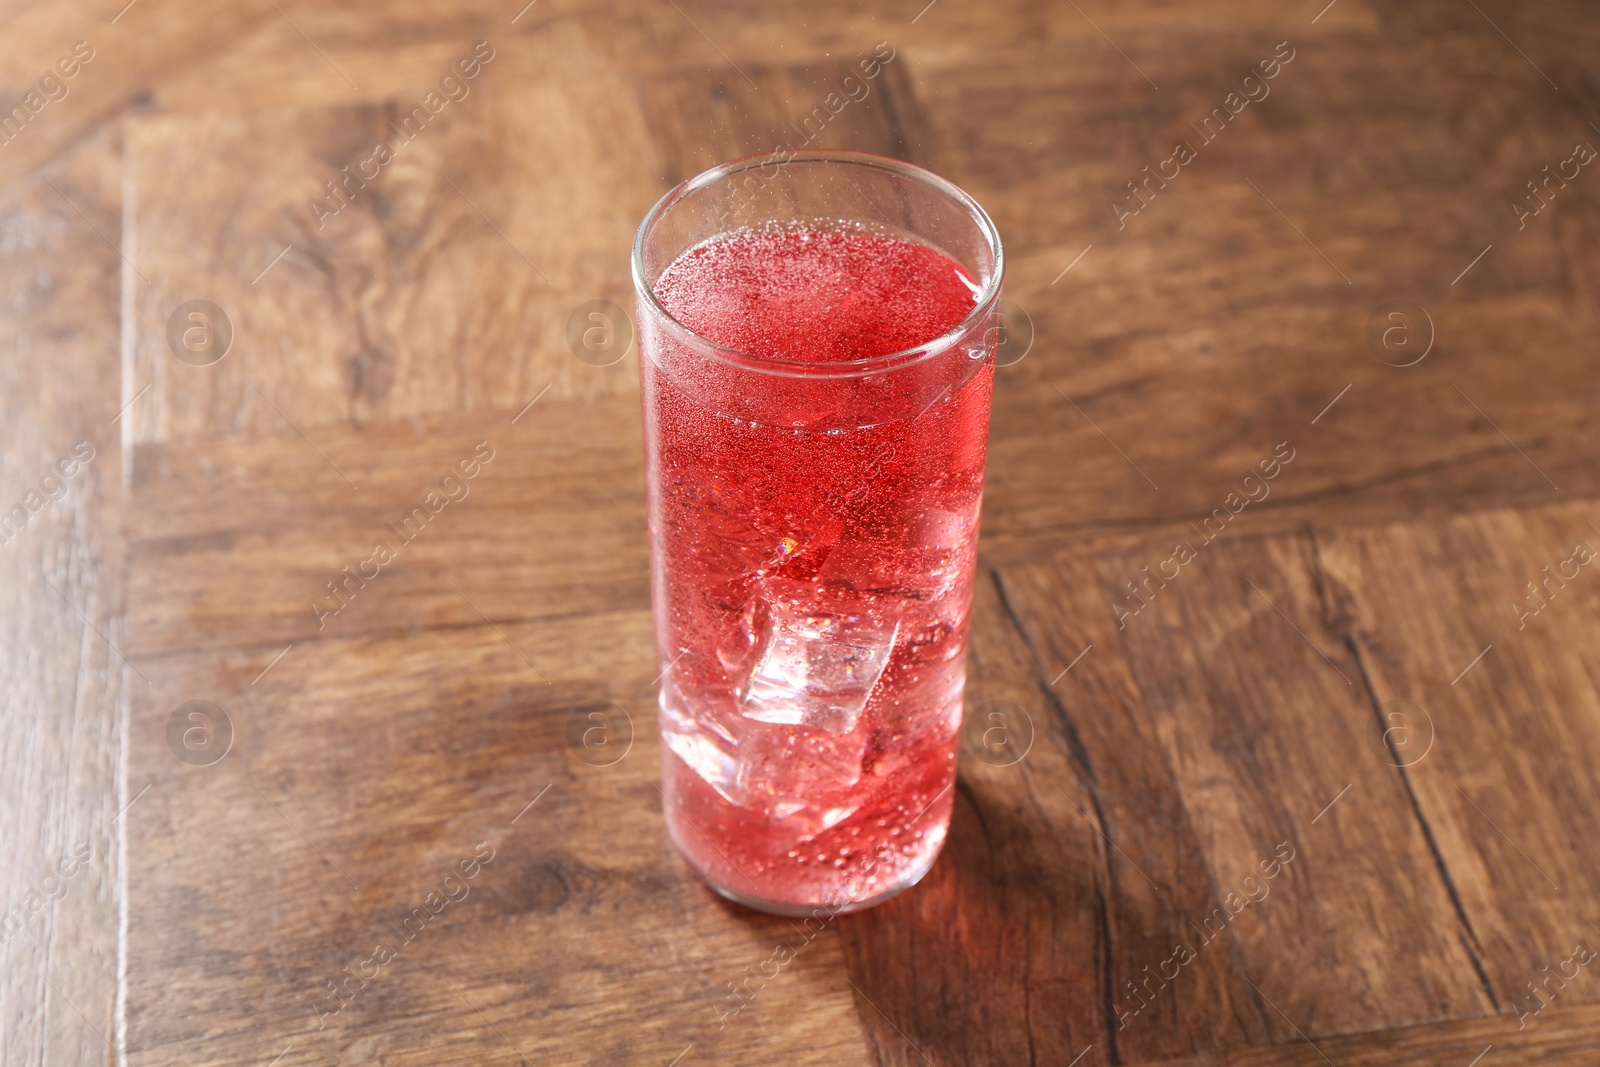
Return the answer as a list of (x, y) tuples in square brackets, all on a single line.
[(1250, 704), (253, 866), (1509, 815), (62, 675), (237, 539), (327, 335), (1564, 1036)]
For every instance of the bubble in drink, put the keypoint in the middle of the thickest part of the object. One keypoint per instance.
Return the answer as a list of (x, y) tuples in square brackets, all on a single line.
[(813, 545)]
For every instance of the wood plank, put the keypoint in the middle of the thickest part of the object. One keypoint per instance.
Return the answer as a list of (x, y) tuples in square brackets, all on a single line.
[(1562, 1038), (236, 540), (259, 877), (701, 119), (127, 53), (445, 284), (1510, 818), (1238, 742), (1191, 355), (60, 611)]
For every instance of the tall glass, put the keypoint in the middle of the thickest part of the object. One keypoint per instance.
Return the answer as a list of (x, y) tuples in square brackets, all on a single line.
[(813, 536)]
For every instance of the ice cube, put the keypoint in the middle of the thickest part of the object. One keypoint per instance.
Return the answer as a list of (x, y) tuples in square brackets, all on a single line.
[(700, 725), (800, 775), (798, 762), (822, 648), (709, 757), (921, 555)]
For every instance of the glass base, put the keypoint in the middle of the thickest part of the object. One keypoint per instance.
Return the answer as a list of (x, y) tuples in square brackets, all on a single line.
[(801, 911)]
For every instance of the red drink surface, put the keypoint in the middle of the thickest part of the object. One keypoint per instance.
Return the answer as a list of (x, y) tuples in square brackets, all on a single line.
[(816, 295), (812, 585)]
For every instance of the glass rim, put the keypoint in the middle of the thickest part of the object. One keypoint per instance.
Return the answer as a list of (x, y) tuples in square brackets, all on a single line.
[(812, 368)]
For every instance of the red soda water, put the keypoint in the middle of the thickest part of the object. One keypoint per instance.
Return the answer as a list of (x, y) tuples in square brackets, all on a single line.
[(812, 585)]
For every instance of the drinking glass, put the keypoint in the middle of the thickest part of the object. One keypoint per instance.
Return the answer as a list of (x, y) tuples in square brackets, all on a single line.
[(813, 535)]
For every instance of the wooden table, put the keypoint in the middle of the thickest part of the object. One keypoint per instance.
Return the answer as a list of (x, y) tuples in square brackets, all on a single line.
[(1319, 788)]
